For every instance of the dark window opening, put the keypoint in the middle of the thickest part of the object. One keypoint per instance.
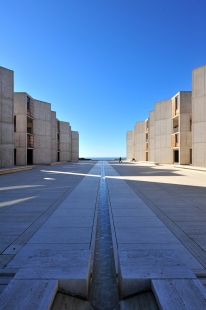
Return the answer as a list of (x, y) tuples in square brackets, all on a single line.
[(176, 156), (14, 123), (14, 157), (29, 157), (28, 103)]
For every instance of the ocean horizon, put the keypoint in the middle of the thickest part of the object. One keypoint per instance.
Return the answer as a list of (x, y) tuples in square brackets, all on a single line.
[(104, 158)]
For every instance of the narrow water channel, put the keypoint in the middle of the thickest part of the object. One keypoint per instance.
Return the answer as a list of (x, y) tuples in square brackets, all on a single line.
[(104, 289)]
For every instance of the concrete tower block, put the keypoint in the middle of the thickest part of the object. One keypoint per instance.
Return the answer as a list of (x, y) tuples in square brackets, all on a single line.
[(163, 130), (130, 144), (199, 116), (42, 132), (6, 117), (53, 137), (65, 141), (75, 145)]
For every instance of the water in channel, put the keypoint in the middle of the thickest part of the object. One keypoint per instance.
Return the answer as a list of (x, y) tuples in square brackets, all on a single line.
[(104, 289)]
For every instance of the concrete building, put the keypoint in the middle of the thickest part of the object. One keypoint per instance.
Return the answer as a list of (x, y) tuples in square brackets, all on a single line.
[(23, 129), (6, 118), (181, 128), (29, 131), (163, 130), (139, 141), (42, 132), (151, 135), (75, 146), (130, 144), (65, 141), (199, 116)]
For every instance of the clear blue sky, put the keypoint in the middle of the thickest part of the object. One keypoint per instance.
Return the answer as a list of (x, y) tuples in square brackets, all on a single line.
[(102, 63)]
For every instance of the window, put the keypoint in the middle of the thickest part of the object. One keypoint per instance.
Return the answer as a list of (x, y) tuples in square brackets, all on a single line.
[(28, 103), (14, 123)]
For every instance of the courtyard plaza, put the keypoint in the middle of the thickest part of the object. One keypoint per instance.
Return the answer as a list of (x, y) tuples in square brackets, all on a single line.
[(48, 218)]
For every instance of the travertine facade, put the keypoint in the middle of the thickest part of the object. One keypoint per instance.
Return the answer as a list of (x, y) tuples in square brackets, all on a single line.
[(199, 116), (6, 117), (30, 133)]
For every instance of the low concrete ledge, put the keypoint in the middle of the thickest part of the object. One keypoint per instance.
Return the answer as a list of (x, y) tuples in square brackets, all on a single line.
[(14, 169), (29, 294), (137, 268), (179, 294), (58, 163)]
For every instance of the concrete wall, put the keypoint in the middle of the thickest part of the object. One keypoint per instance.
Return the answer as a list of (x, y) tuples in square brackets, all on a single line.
[(20, 136), (6, 118), (65, 141), (163, 129), (151, 137), (139, 141), (185, 114), (42, 132), (130, 144), (53, 137), (75, 146), (199, 116)]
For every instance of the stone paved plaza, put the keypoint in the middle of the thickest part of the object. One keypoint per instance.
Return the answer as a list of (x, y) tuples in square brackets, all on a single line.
[(48, 218)]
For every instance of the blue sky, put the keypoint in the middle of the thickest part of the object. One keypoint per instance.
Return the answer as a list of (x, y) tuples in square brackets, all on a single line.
[(102, 64)]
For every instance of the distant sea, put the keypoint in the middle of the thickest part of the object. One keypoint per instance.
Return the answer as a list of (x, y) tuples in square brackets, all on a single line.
[(105, 158)]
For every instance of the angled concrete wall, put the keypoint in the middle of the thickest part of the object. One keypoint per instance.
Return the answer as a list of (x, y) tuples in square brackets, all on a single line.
[(185, 127), (42, 132), (75, 146), (151, 135), (130, 144), (199, 116), (53, 137), (6, 118), (20, 135), (163, 131), (65, 141), (139, 141)]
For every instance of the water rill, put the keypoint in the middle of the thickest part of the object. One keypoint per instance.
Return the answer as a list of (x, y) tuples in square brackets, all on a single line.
[(104, 289)]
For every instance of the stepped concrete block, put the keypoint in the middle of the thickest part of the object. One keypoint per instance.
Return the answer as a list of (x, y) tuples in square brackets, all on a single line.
[(179, 294), (28, 294), (137, 268), (71, 269)]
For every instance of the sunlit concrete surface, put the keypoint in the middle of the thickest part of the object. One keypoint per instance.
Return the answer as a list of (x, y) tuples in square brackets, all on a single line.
[(48, 220), (169, 211), (46, 208)]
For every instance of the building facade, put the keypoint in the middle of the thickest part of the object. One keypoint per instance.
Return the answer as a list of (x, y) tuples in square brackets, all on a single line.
[(176, 130), (30, 133), (6, 117)]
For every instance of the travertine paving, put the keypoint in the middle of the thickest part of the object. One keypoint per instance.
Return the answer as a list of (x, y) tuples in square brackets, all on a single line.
[(48, 220), (176, 198), (47, 208)]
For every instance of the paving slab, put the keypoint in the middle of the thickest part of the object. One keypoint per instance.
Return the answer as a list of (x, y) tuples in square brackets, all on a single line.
[(145, 235), (62, 235), (179, 294), (137, 268), (17, 295), (71, 269), (66, 302)]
